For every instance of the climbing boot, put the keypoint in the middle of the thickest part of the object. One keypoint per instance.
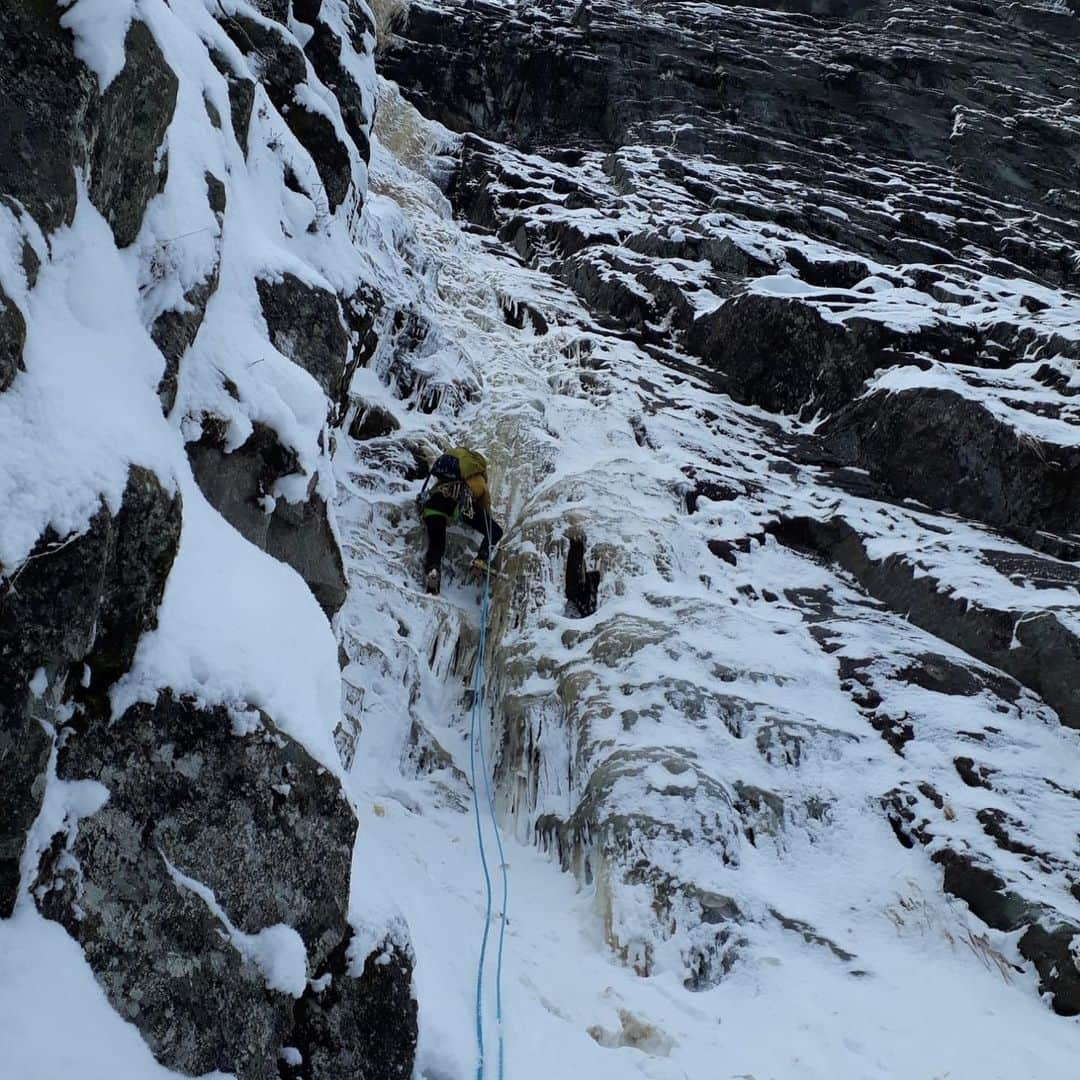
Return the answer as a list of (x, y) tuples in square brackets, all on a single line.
[(480, 567), (432, 581)]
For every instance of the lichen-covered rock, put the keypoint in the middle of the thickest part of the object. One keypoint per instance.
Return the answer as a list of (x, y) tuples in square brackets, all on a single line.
[(283, 67), (372, 995), (175, 330), (132, 117), (80, 600), (59, 123), (240, 485), (954, 454), (305, 324), (41, 128), (12, 339), (226, 801)]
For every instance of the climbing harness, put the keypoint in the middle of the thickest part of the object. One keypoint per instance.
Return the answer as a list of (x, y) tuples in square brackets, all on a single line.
[(476, 750)]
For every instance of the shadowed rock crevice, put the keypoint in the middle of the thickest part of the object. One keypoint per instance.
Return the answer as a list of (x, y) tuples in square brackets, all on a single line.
[(582, 584)]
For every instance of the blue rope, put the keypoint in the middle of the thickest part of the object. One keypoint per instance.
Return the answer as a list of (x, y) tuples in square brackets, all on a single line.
[(477, 746)]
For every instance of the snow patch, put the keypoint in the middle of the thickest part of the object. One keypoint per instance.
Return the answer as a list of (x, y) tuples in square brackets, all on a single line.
[(100, 28), (277, 951)]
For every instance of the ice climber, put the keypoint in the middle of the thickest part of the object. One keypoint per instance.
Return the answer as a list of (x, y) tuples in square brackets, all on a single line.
[(459, 492)]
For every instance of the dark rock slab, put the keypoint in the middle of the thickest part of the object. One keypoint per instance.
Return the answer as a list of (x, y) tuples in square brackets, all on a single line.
[(237, 484), (47, 100), (12, 340), (1046, 938), (241, 98), (324, 51), (377, 1001), (372, 422), (781, 354), (53, 121), (80, 599), (305, 324), (951, 453), (174, 332), (247, 815), (132, 117)]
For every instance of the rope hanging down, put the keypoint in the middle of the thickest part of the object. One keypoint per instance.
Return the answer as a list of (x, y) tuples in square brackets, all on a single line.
[(476, 750)]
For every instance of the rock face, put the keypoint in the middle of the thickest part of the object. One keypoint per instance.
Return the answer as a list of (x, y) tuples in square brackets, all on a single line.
[(306, 325), (284, 68), (818, 210), (955, 454), (74, 611), (134, 115), (203, 800), (174, 332), (240, 485), (199, 854), (58, 123), (12, 339)]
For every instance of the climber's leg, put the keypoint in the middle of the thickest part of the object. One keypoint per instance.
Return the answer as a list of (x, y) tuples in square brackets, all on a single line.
[(489, 529), (435, 522)]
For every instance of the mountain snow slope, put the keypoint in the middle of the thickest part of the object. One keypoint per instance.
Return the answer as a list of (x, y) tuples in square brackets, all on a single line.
[(766, 318), (740, 769)]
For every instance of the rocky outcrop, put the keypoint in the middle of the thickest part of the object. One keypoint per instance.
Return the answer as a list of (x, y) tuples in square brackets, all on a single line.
[(284, 70), (186, 830), (191, 892), (174, 332), (372, 995), (41, 128), (241, 485), (126, 168), (70, 618), (58, 123), (305, 324), (1043, 937), (952, 453), (372, 422), (324, 50), (12, 339), (1038, 649), (643, 223)]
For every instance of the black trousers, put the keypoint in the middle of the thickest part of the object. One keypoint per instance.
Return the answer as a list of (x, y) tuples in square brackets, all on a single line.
[(437, 514)]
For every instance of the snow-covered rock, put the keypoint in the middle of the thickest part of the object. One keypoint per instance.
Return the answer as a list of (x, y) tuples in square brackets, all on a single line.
[(183, 304)]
